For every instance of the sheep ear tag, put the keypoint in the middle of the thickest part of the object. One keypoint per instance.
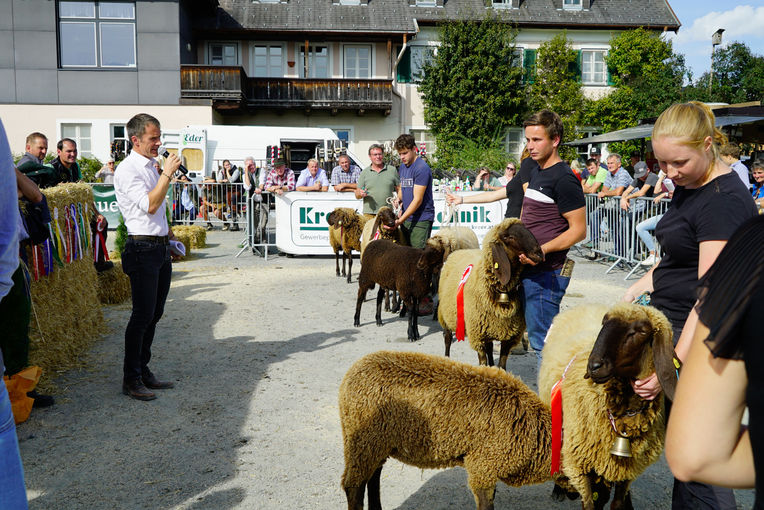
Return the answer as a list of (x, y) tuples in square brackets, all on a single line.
[(501, 263)]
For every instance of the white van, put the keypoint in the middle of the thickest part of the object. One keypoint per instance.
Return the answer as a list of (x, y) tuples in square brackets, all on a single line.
[(202, 149)]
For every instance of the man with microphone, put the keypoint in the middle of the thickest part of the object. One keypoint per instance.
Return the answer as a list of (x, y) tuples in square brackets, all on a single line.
[(141, 191)]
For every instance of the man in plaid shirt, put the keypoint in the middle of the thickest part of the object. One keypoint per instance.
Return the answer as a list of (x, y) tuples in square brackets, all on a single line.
[(280, 179), (345, 176)]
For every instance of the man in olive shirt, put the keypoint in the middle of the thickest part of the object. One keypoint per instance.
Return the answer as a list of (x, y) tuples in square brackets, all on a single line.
[(377, 182)]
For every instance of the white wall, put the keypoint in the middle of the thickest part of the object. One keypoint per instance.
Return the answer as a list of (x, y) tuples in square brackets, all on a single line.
[(22, 119)]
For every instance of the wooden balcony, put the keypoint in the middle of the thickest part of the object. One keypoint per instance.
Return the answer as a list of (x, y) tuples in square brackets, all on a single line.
[(230, 88)]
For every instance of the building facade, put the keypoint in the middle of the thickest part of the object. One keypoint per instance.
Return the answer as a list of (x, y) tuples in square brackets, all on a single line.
[(82, 69)]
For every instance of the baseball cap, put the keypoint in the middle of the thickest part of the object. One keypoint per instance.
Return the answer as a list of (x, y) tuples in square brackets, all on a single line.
[(279, 162), (640, 170), (594, 151)]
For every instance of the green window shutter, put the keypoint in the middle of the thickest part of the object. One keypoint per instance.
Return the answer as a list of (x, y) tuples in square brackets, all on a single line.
[(579, 66), (574, 68), (610, 80), (403, 74), (529, 65)]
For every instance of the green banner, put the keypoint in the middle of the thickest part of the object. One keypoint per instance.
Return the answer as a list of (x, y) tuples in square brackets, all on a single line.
[(106, 202)]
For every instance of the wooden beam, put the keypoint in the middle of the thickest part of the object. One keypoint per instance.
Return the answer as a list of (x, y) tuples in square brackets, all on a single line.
[(305, 60)]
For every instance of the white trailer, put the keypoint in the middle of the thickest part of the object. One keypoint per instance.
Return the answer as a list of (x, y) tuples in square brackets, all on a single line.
[(203, 148)]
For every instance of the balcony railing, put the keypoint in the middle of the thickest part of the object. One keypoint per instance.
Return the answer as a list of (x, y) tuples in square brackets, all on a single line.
[(231, 84), (212, 82)]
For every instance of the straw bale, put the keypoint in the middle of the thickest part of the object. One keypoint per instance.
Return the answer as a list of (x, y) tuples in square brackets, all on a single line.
[(67, 317), (198, 235), (113, 285)]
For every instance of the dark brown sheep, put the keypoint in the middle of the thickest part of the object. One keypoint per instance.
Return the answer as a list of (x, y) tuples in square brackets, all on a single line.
[(403, 268)]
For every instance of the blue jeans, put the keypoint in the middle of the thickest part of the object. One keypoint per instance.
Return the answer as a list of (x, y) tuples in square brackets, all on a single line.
[(12, 492), (542, 293), (645, 227)]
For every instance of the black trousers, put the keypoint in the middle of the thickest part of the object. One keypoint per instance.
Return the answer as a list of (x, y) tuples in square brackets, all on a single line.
[(149, 267), (15, 310)]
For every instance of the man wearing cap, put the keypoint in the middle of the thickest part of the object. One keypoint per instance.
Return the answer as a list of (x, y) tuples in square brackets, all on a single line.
[(642, 186), (106, 173), (595, 153), (280, 179)]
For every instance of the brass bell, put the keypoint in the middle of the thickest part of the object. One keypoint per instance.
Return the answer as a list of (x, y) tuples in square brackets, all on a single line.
[(621, 447), (503, 298)]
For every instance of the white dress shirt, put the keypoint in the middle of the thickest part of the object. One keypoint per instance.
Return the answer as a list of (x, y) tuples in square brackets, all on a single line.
[(133, 181)]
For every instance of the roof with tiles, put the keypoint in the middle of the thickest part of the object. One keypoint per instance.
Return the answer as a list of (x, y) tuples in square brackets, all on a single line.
[(397, 16)]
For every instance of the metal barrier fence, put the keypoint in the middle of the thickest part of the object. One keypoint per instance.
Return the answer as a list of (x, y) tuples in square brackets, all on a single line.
[(236, 208), (211, 204), (613, 232), (260, 224)]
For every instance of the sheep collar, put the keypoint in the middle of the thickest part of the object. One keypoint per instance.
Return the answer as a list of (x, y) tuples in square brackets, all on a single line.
[(556, 404), (460, 327)]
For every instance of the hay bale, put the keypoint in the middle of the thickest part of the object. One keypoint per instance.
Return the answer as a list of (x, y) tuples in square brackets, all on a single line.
[(67, 317), (113, 285), (197, 234)]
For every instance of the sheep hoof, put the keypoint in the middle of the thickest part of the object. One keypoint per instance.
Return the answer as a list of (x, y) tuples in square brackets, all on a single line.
[(559, 494), (357, 324), (379, 323)]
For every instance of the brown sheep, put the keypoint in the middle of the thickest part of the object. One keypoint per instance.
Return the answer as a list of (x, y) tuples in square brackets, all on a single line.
[(605, 348), (384, 225), (394, 267), (496, 270), (432, 412), (345, 228)]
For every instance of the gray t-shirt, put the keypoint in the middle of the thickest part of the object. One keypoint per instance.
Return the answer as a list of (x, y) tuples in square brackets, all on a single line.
[(651, 180)]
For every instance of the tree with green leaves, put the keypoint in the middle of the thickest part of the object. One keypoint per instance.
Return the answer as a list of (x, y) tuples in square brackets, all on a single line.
[(648, 78), (556, 86), (738, 77), (472, 88)]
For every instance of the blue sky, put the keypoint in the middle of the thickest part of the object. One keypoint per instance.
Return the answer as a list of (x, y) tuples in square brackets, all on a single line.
[(743, 21)]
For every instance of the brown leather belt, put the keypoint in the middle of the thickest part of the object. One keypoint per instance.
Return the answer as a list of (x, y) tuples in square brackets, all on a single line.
[(151, 239)]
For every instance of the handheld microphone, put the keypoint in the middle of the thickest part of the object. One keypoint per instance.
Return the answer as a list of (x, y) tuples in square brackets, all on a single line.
[(165, 153)]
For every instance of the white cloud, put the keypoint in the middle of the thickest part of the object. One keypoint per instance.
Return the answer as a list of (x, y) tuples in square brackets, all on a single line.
[(742, 21)]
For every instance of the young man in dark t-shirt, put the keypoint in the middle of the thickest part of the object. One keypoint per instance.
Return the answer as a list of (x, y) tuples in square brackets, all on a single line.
[(554, 210), (415, 193)]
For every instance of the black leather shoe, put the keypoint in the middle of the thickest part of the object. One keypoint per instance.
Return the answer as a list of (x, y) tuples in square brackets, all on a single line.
[(135, 389), (153, 383), (104, 265), (40, 400)]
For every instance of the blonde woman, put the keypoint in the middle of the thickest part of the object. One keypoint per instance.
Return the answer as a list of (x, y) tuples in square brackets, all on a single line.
[(708, 205)]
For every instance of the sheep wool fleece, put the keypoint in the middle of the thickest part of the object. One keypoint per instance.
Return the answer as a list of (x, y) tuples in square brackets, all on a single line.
[(432, 412), (587, 431), (484, 317)]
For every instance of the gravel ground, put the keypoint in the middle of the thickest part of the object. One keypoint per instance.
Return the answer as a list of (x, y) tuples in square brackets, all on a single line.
[(257, 350)]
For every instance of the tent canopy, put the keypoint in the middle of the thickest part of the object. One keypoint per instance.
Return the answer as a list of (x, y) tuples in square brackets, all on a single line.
[(724, 117)]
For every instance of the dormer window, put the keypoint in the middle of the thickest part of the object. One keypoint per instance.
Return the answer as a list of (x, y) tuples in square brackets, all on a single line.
[(573, 5), (505, 4)]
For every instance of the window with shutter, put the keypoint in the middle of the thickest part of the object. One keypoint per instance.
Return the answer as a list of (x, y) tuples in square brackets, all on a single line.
[(529, 66)]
